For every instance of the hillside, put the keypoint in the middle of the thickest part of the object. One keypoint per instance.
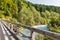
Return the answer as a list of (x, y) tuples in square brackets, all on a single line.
[(20, 11), (28, 13)]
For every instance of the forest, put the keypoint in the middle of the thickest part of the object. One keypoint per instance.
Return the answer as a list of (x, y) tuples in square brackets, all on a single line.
[(25, 12)]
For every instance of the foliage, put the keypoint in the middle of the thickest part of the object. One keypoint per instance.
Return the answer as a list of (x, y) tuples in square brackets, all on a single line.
[(42, 37)]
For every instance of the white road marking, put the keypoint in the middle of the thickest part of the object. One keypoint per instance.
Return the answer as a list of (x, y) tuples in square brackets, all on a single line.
[(5, 36)]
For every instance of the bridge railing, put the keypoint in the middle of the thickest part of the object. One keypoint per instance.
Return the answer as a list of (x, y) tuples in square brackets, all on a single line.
[(53, 35)]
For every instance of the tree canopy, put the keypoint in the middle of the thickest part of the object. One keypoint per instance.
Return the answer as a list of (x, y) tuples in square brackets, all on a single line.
[(28, 13)]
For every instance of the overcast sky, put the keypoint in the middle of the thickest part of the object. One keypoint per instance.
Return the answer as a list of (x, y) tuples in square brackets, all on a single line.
[(46, 2)]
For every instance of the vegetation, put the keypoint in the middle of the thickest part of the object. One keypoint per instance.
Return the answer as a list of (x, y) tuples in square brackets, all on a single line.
[(30, 14)]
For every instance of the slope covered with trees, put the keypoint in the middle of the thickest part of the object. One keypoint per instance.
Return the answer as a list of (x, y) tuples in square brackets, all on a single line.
[(19, 10), (30, 14)]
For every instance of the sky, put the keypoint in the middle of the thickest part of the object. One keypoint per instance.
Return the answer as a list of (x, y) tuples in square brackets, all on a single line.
[(46, 2)]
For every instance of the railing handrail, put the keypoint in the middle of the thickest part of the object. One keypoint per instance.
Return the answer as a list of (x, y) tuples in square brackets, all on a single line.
[(44, 32)]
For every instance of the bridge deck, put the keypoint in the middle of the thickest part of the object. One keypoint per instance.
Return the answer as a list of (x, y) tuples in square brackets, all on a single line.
[(4, 33), (1, 34), (7, 34)]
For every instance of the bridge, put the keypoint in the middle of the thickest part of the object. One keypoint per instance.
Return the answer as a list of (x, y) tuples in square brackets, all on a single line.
[(10, 31)]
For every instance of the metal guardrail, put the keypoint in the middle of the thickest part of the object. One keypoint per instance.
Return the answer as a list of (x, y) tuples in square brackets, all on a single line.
[(54, 35)]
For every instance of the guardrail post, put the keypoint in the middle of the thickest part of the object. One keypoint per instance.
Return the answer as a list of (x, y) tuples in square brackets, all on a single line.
[(32, 35)]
